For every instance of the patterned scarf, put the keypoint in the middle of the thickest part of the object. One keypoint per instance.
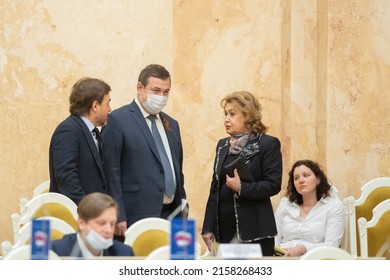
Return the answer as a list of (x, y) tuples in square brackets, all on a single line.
[(237, 142)]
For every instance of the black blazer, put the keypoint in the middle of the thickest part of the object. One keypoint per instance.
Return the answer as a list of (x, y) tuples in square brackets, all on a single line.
[(65, 247), (136, 175), (253, 209), (74, 162)]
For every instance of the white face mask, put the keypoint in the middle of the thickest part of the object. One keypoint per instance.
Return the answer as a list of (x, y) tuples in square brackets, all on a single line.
[(97, 241), (155, 103)]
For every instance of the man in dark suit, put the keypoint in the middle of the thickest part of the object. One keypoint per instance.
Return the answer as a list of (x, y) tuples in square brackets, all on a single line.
[(142, 184), (97, 218), (75, 165)]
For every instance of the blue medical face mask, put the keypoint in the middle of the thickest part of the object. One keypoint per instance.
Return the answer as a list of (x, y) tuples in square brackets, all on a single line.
[(97, 241)]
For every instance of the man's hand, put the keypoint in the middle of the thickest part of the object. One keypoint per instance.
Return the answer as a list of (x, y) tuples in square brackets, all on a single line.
[(120, 228)]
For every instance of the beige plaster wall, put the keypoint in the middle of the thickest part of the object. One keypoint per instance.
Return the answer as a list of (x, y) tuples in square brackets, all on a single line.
[(358, 92), (320, 69)]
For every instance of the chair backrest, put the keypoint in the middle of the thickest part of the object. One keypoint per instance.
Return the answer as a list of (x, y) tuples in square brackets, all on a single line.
[(164, 252), (375, 234), (327, 253), (161, 253), (147, 234), (334, 192), (58, 228), (47, 204), (24, 253), (41, 188), (372, 193), (6, 247)]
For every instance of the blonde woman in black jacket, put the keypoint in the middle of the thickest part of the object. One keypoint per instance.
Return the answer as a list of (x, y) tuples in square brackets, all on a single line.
[(239, 210)]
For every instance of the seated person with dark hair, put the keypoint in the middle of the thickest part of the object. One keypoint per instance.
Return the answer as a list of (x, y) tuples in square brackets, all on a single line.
[(308, 217), (98, 214)]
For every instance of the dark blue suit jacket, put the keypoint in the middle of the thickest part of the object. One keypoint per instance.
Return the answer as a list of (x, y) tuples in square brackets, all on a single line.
[(74, 162), (65, 246), (136, 175)]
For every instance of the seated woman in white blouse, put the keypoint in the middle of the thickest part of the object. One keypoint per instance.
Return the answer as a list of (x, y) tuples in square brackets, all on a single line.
[(308, 217)]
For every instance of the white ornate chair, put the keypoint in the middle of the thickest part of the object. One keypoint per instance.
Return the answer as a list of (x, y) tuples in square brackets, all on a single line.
[(375, 234), (46, 204), (327, 253), (164, 252), (148, 234), (372, 193), (41, 188), (161, 253), (58, 228), (334, 192), (24, 253), (6, 247)]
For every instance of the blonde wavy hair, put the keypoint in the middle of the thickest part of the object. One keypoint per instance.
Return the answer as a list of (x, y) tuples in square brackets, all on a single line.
[(249, 106)]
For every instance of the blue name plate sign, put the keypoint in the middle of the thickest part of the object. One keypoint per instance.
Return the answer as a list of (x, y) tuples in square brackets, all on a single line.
[(182, 239), (40, 239)]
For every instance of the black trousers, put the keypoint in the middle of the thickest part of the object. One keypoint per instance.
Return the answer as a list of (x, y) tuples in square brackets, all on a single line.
[(267, 246)]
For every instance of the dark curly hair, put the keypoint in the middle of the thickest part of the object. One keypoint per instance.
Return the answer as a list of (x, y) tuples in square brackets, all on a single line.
[(322, 188)]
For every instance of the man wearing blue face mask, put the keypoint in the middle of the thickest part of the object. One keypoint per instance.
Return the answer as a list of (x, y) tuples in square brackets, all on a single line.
[(144, 154), (97, 219)]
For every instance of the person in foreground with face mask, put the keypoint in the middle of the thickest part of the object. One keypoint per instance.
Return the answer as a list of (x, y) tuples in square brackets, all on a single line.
[(97, 218), (144, 152)]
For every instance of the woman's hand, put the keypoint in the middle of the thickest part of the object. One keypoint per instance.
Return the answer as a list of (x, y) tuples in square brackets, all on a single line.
[(295, 251), (234, 182), (208, 238)]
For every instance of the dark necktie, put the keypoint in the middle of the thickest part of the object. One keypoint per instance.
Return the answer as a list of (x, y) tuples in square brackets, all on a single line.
[(100, 146), (169, 183)]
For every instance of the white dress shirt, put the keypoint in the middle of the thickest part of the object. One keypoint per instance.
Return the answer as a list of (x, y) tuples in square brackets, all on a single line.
[(323, 225), (91, 127)]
